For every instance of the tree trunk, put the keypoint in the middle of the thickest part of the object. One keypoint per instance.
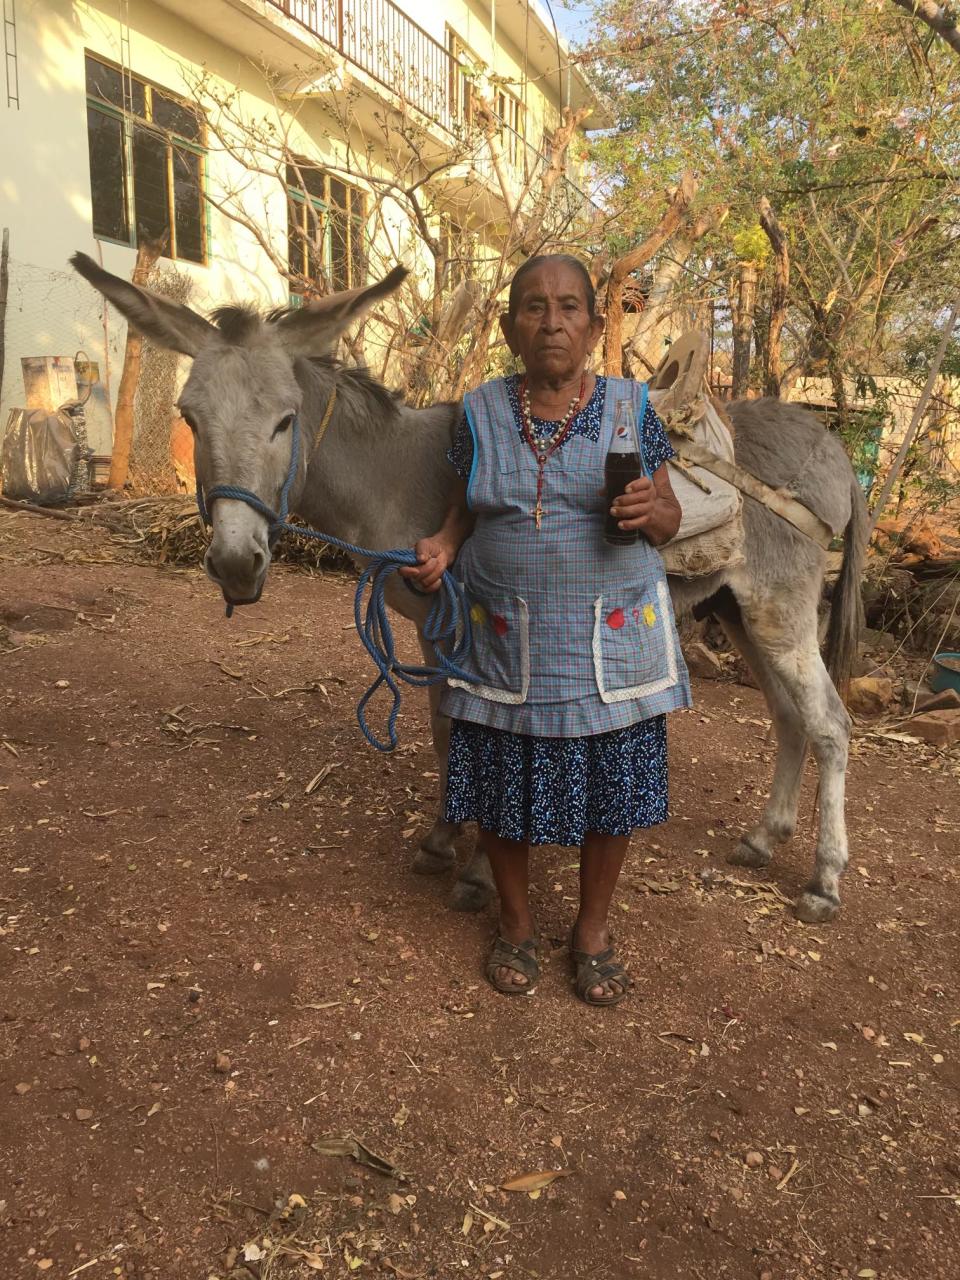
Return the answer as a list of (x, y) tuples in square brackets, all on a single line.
[(773, 355), (643, 343), (147, 256), (743, 305), (633, 261)]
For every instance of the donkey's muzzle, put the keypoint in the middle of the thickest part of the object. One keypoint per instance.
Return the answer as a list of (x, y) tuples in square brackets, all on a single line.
[(239, 577)]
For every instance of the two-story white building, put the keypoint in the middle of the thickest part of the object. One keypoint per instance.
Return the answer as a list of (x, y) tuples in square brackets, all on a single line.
[(259, 139)]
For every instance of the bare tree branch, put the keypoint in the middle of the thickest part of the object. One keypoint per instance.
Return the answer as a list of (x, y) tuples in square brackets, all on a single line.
[(680, 201), (936, 19)]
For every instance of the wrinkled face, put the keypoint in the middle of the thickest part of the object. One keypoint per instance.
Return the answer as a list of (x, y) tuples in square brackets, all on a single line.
[(240, 403), (552, 330)]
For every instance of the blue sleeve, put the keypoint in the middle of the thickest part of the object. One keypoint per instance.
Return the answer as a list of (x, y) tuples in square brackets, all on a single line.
[(656, 442), (460, 453)]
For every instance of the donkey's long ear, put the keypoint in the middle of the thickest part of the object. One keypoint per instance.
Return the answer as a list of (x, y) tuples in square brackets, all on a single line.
[(168, 324), (315, 328)]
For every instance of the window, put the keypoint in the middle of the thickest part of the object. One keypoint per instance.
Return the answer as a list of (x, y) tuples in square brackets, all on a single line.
[(462, 62), (146, 163), (464, 100), (459, 249), (326, 229), (509, 111)]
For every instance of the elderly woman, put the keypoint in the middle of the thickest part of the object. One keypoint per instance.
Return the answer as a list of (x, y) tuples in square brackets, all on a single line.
[(561, 739)]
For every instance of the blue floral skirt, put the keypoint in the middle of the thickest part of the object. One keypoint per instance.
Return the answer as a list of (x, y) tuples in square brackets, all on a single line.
[(555, 790)]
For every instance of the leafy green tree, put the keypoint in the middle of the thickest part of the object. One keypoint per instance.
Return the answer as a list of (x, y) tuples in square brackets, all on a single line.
[(843, 116)]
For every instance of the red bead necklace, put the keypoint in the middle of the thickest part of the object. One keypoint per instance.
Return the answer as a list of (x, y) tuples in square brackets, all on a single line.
[(542, 450)]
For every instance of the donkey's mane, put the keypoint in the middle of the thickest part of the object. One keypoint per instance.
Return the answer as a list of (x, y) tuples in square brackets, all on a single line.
[(359, 379)]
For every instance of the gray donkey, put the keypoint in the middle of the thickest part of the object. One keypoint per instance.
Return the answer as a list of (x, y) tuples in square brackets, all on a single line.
[(373, 472)]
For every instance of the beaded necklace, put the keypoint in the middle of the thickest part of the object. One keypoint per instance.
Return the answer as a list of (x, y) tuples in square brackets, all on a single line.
[(544, 447)]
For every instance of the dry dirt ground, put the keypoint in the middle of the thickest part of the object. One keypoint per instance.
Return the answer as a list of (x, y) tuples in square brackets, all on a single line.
[(213, 958)]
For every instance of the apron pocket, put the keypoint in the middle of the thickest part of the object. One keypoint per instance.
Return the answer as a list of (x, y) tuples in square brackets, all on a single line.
[(500, 634), (634, 649)]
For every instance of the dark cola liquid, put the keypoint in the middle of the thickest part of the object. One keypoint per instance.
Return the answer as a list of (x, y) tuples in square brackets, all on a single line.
[(621, 469)]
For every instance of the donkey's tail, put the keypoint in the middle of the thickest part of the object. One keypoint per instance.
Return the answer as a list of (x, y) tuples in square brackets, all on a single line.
[(846, 608)]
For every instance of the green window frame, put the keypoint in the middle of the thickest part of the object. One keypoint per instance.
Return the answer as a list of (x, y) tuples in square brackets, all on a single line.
[(147, 163), (326, 231)]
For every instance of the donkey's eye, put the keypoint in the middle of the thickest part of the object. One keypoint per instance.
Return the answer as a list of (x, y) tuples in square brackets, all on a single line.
[(283, 425), (189, 419)]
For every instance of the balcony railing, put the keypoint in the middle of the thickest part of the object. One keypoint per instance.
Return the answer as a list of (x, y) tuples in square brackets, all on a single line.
[(380, 39)]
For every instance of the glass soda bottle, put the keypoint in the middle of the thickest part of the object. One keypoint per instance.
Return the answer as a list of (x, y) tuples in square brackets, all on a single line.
[(624, 463)]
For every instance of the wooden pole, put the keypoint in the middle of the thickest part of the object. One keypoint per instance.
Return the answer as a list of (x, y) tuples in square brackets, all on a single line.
[(745, 301), (147, 256), (4, 289), (773, 373)]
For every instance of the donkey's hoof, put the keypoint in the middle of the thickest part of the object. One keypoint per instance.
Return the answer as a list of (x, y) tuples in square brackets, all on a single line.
[(813, 908), (467, 895), (428, 863), (748, 855)]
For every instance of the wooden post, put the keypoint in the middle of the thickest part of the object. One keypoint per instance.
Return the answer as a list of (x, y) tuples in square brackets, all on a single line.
[(147, 256), (4, 288), (773, 371), (744, 304)]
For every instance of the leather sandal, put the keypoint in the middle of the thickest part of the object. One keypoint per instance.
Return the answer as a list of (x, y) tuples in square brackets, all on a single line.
[(521, 957), (596, 970)]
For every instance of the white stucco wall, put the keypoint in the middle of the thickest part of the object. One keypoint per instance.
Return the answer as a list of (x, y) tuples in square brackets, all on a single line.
[(45, 181)]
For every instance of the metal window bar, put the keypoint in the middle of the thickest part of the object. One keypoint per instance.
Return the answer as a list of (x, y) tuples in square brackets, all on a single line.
[(10, 53)]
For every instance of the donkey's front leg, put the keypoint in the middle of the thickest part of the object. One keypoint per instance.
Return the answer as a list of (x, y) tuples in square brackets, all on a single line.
[(437, 853), (474, 887)]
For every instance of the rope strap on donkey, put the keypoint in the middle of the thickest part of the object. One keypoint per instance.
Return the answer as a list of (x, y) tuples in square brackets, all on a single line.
[(447, 627)]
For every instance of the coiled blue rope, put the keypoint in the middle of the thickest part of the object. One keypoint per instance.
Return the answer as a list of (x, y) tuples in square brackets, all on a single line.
[(447, 626)]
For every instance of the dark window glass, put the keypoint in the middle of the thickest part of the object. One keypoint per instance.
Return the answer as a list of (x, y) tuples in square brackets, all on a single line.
[(358, 263), (295, 246), (188, 204), (175, 117), (150, 197), (307, 178), (104, 83), (325, 234), (107, 186), (339, 258), (305, 238), (338, 194), (314, 232)]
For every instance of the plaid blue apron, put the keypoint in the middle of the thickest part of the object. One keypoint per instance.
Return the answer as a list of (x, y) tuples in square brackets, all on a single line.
[(571, 637)]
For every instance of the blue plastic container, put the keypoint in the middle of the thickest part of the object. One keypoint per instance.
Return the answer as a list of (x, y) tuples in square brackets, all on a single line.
[(943, 677)]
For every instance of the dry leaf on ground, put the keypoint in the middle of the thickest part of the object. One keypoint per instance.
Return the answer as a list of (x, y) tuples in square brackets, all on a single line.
[(534, 1181)]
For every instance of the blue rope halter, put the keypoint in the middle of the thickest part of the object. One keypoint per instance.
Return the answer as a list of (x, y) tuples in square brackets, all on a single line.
[(447, 627)]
